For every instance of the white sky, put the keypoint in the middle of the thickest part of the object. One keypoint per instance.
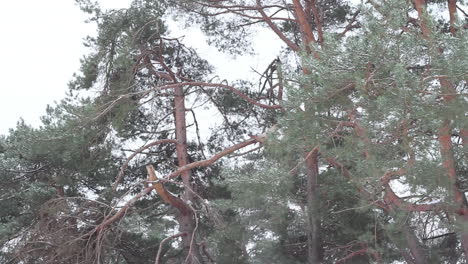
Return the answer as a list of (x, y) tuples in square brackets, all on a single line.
[(39, 51), (42, 43)]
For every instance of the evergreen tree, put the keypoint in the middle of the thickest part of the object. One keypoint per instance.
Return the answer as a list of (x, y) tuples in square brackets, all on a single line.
[(385, 108), (364, 114)]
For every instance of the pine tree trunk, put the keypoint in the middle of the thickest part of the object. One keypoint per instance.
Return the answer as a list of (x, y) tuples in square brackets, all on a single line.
[(186, 221), (314, 242), (449, 163), (446, 149)]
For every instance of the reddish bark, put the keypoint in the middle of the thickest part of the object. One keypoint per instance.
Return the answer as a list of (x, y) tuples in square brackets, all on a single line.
[(352, 255), (445, 140), (452, 7), (60, 191), (317, 20), (314, 241), (158, 255), (169, 198), (304, 25), (420, 6), (448, 162), (217, 156), (186, 221), (275, 29)]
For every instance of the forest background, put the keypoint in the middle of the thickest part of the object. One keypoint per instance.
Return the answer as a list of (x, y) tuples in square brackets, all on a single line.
[(350, 146)]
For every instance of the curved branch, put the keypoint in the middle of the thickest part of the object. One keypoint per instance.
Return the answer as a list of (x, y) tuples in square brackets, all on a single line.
[(214, 85), (158, 255), (352, 255), (207, 162), (165, 195)]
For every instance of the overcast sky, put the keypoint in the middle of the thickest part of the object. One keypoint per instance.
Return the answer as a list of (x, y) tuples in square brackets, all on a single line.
[(42, 44), (40, 49)]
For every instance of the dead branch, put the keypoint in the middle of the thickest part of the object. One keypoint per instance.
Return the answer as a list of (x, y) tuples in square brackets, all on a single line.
[(203, 163), (169, 198)]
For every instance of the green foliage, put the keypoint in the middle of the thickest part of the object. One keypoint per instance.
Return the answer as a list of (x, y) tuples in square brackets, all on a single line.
[(376, 79), (372, 101)]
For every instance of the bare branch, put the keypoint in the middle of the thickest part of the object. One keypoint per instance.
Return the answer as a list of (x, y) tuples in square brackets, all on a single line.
[(214, 85), (138, 151), (203, 163)]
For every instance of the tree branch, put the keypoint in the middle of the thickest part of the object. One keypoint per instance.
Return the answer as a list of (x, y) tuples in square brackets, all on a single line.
[(214, 85), (158, 255), (138, 151), (275, 29), (203, 163)]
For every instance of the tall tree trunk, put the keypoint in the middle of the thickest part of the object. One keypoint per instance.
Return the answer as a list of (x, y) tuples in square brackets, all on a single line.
[(445, 131), (448, 162), (314, 241), (186, 221), (446, 149)]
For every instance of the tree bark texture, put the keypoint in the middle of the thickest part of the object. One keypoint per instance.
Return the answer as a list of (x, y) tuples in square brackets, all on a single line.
[(449, 163), (186, 221), (314, 241)]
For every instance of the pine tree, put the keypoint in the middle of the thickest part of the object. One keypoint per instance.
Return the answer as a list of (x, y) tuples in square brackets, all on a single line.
[(365, 159), (385, 108)]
